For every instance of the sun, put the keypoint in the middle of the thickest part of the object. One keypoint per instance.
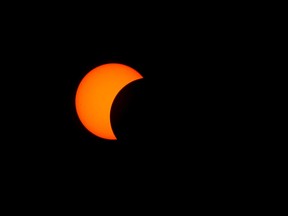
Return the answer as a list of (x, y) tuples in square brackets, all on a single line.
[(96, 93)]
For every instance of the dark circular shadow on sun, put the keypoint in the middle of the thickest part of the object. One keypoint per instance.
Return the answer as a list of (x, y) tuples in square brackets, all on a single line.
[(130, 114)]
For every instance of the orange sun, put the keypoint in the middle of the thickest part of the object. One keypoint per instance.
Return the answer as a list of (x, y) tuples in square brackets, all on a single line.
[(96, 93)]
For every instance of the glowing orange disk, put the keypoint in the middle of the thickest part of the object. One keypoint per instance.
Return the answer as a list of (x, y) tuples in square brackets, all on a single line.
[(96, 93)]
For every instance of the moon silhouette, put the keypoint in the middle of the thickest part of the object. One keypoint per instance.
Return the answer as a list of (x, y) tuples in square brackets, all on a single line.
[(96, 93)]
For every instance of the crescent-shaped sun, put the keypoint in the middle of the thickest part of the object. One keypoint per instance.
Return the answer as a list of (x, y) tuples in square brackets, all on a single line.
[(96, 93)]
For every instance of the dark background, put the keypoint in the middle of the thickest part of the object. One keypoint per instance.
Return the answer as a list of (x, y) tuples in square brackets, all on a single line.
[(185, 117), (189, 132)]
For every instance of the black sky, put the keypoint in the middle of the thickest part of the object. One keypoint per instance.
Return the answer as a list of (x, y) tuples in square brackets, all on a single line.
[(187, 131), (183, 111)]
